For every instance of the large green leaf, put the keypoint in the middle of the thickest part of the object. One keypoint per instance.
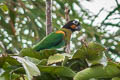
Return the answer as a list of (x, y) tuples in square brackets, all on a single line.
[(57, 70), (93, 53), (111, 70), (94, 50), (43, 54)]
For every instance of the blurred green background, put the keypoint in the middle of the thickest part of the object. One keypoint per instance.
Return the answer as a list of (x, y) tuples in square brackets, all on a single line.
[(23, 23)]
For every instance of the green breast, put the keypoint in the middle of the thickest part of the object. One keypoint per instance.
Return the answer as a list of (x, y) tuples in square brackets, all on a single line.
[(67, 35)]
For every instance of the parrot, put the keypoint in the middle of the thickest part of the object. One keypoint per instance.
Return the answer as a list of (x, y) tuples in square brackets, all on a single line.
[(59, 38)]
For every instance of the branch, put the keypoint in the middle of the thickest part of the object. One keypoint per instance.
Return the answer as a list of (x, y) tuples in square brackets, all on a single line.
[(48, 16), (67, 17), (11, 22), (97, 15), (117, 25), (110, 13), (117, 3), (12, 27)]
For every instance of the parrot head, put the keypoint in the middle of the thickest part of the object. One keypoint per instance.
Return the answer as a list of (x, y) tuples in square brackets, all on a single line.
[(73, 25)]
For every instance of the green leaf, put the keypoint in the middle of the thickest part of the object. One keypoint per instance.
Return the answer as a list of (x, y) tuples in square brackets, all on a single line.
[(91, 52), (8, 59), (101, 60), (94, 50), (9, 65), (30, 68), (116, 78), (46, 76), (56, 58), (98, 72), (43, 54), (43, 62), (2, 61), (80, 54), (5, 76), (4, 8), (95, 54), (57, 70), (33, 60)]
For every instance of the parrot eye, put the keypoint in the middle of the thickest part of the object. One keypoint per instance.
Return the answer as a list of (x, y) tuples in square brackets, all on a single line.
[(75, 22)]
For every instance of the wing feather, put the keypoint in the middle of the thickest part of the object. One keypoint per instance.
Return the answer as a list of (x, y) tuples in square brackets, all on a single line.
[(50, 41)]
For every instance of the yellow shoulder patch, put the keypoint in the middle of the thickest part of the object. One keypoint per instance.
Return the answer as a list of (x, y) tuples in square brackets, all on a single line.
[(60, 32)]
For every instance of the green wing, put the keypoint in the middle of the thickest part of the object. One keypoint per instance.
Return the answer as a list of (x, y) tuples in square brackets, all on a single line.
[(54, 40)]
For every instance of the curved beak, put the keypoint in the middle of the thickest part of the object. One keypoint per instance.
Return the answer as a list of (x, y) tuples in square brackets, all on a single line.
[(78, 28)]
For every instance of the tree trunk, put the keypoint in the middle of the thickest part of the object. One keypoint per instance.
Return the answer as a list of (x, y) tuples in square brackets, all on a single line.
[(48, 16)]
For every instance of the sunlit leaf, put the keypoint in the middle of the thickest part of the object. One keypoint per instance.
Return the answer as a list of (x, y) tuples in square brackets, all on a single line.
[(4, 8), (56, 58)]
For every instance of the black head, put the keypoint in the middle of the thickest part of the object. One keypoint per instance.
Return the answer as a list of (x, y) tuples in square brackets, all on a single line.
[(73, 25)]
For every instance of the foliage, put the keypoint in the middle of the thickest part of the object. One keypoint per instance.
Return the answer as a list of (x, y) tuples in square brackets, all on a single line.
[(59, 66)]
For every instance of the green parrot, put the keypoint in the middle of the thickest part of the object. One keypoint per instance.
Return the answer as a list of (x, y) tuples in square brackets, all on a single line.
[(60, 38)]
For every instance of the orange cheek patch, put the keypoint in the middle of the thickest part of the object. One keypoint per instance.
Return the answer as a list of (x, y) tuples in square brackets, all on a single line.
[(73, 26), (61, 32)]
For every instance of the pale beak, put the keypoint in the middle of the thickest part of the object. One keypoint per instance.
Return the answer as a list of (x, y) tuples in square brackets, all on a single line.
[(78, 28)]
